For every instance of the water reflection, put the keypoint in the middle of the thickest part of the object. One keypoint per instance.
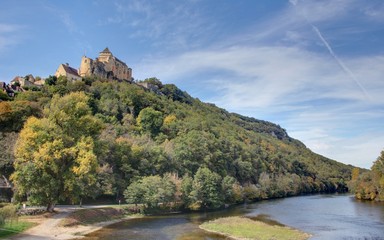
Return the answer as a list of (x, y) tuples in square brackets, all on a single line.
[(369, 209), (328, 216), (323, 216)]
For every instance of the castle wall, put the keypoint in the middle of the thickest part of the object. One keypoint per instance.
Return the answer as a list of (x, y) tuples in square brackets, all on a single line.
[(85, 69), (105, 66)]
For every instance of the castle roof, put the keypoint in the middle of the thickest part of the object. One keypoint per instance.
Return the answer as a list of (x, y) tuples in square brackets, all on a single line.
[(16, 79), (70, 70), (106, 50), (121, 62)]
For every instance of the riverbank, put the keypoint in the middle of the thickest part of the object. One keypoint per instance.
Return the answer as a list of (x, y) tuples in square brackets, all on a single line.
[(245, 228), (69, 223)]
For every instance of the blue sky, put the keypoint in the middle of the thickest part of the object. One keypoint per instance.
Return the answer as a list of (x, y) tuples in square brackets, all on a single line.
[(315, 67)]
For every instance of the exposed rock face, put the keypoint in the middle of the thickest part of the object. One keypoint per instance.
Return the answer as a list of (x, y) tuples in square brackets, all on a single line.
[(98, 69)]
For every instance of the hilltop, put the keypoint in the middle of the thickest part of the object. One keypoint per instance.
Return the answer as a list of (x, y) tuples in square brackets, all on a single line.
[(151, 131)]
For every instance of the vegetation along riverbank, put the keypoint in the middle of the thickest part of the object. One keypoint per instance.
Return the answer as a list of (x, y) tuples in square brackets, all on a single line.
[(369, 185), (246, 228)]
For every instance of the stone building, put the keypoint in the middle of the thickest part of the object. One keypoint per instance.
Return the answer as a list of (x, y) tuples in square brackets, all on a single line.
[(68, 72), (23, 81), (105, 66)]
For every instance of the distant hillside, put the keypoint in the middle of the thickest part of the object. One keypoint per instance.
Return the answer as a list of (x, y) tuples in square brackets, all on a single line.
[(155, 129)]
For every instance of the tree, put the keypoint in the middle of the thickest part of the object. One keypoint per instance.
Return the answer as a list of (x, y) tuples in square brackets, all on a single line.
[(186, 189), (4, 96), (378, 176), (151, 191), (7, 142), (170, 125), (231, 190), (354, 179), (154, 81), (265, 185), (14, 114), (51, 80), (150, 121), (54, 155), (134, 193), (370, 185), (206, 193), (174, 93)]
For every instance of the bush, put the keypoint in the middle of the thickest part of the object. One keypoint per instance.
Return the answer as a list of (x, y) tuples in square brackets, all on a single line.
[(7, 212)]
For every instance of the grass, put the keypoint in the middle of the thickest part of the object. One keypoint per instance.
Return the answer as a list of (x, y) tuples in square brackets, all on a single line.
[(11, 228), (245, 228)]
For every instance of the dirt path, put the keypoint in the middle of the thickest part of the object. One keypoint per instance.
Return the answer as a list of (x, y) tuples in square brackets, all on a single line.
[(49, 228)]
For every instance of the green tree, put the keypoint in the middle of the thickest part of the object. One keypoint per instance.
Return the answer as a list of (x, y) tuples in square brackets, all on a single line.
[(151, 191), (14, 114), (186, 189), (51, 80), (206, 193), (154, 81), (55, 156), (4, 96), (378, 176), (135, 193), (150, 121), (7, 142), (231, 190)]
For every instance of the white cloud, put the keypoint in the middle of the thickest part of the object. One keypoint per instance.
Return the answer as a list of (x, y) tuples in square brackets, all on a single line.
[(360, 150), (68, 22), (65, 18), (321, 104), (10, 34), (7, 28), (272, 71), (174, 25), (272, 74), (375, 12), (294, 2), (318, 11)]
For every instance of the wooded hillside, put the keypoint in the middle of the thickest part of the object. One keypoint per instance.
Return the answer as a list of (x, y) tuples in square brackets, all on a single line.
[(143, 139)]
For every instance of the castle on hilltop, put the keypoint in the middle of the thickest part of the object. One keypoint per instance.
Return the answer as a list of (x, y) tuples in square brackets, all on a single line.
[(105, 66)]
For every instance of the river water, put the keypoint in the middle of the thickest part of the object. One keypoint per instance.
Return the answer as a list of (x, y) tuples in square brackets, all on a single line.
[(336, 216)]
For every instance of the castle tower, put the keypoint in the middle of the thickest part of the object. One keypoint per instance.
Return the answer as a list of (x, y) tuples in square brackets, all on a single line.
[(105, 55), (105, 66), (85, 69)]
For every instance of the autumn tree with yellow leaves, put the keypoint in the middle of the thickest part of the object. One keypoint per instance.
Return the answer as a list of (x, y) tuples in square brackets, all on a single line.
[(54, 155), (369, 185)]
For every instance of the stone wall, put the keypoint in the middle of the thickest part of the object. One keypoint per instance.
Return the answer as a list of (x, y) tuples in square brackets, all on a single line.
[(105, 66)]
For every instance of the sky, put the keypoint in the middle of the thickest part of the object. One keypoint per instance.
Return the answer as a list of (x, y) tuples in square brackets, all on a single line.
[(315, 67)]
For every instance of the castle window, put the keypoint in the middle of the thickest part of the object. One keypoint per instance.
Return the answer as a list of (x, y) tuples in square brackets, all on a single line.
[(85, 60)]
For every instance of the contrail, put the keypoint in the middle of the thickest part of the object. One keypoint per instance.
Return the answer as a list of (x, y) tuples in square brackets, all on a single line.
[(341, 64), (330, 50)]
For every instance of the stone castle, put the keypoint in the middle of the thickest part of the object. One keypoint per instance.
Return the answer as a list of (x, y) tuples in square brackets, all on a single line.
[(105, 66)]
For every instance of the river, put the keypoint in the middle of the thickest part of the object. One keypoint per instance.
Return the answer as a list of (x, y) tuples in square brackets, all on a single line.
[(336, 216)]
